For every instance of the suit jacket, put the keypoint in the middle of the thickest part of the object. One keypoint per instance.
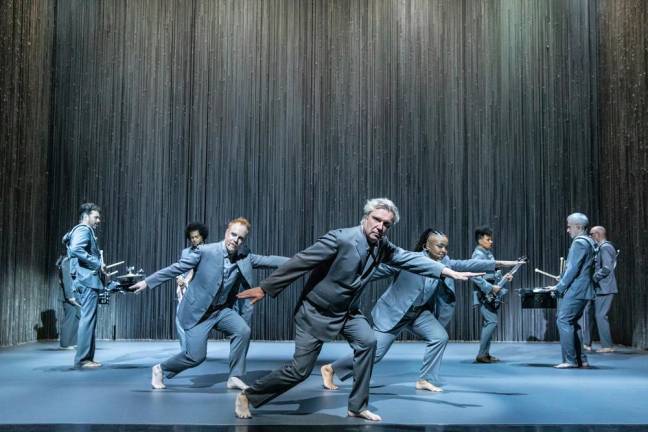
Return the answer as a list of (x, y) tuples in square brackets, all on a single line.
[(485, 284), (405, 288), (605, 263), (576, 281), (207, 262), (85, 257), (341, 267)]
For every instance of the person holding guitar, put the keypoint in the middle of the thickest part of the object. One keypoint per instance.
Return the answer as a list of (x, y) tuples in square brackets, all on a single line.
[(488, 292)]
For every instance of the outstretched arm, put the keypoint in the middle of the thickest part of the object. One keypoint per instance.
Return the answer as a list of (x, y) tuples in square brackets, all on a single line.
[(185, 264)]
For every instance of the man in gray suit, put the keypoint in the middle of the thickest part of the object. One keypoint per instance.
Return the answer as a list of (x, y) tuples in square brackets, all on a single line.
[(411, 302), (219, 270), (605, 287), (342, 262), (86, 269), (575, 288), (492, 283)]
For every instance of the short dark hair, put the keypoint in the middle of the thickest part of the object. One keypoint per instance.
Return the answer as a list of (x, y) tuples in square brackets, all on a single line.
[(87, 208), (423, 238), (482, 231), (196, 226)]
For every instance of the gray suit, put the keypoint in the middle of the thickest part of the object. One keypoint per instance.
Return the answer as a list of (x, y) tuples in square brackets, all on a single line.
[(605, 286), (342, 263), (485, 285), (576, 288), (201, 308), (410, 302), (85, 269)]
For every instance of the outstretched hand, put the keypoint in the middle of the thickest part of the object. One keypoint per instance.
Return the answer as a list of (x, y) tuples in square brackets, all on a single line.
[(139, 287), (255, 294), (459, 275)]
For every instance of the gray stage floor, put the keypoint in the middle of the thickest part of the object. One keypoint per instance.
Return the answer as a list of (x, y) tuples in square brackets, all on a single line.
[(40, 387)]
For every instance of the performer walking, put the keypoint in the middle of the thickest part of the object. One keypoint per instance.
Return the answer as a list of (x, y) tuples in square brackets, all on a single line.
[(342, 262), (575, 288), (219, 271), (487, 293), (423, 305)]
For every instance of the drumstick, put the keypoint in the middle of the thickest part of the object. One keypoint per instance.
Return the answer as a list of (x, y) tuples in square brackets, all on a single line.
[(115, 264), (547, 274)]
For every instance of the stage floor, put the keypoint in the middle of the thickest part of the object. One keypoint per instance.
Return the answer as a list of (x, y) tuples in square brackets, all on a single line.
[(40, 387)]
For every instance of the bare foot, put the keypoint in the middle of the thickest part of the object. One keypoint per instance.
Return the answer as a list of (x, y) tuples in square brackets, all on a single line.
[(427, 385), (327, 377), (157, 377), (366, 414), (242, 408)]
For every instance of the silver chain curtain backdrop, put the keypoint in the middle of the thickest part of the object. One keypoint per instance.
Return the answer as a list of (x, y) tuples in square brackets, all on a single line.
[(292, 113)]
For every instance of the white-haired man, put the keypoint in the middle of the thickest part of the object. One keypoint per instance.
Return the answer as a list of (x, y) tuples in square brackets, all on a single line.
[(342, 262), (575, 288)]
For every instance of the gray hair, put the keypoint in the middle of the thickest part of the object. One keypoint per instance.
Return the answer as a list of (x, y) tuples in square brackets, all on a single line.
[(381, 203), (578, 219)]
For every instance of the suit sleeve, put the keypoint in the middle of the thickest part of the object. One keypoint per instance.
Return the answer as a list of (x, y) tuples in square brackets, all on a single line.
[(607, 255), (413, 262), (383, 271), (185, 264), (79, 241), (267, 261), (481, 283), (323, 249), (576, 255), (472, 265)]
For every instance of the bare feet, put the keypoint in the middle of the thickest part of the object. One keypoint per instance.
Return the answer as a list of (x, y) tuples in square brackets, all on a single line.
[(236, 383), (427, 385), (242, 408), (327, 377), (366, 414), (157, 377)]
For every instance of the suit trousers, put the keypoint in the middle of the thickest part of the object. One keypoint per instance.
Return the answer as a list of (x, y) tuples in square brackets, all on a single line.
[(87, 298), (69, 325), (570, 311), (422, 323), (195, 344), (356, 331), (489, 325), (179, 330), (597, 310)]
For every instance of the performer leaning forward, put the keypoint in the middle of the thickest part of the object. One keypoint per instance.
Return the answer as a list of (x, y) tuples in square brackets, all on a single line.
[(423, 305), (342, 262), (219, 270)]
